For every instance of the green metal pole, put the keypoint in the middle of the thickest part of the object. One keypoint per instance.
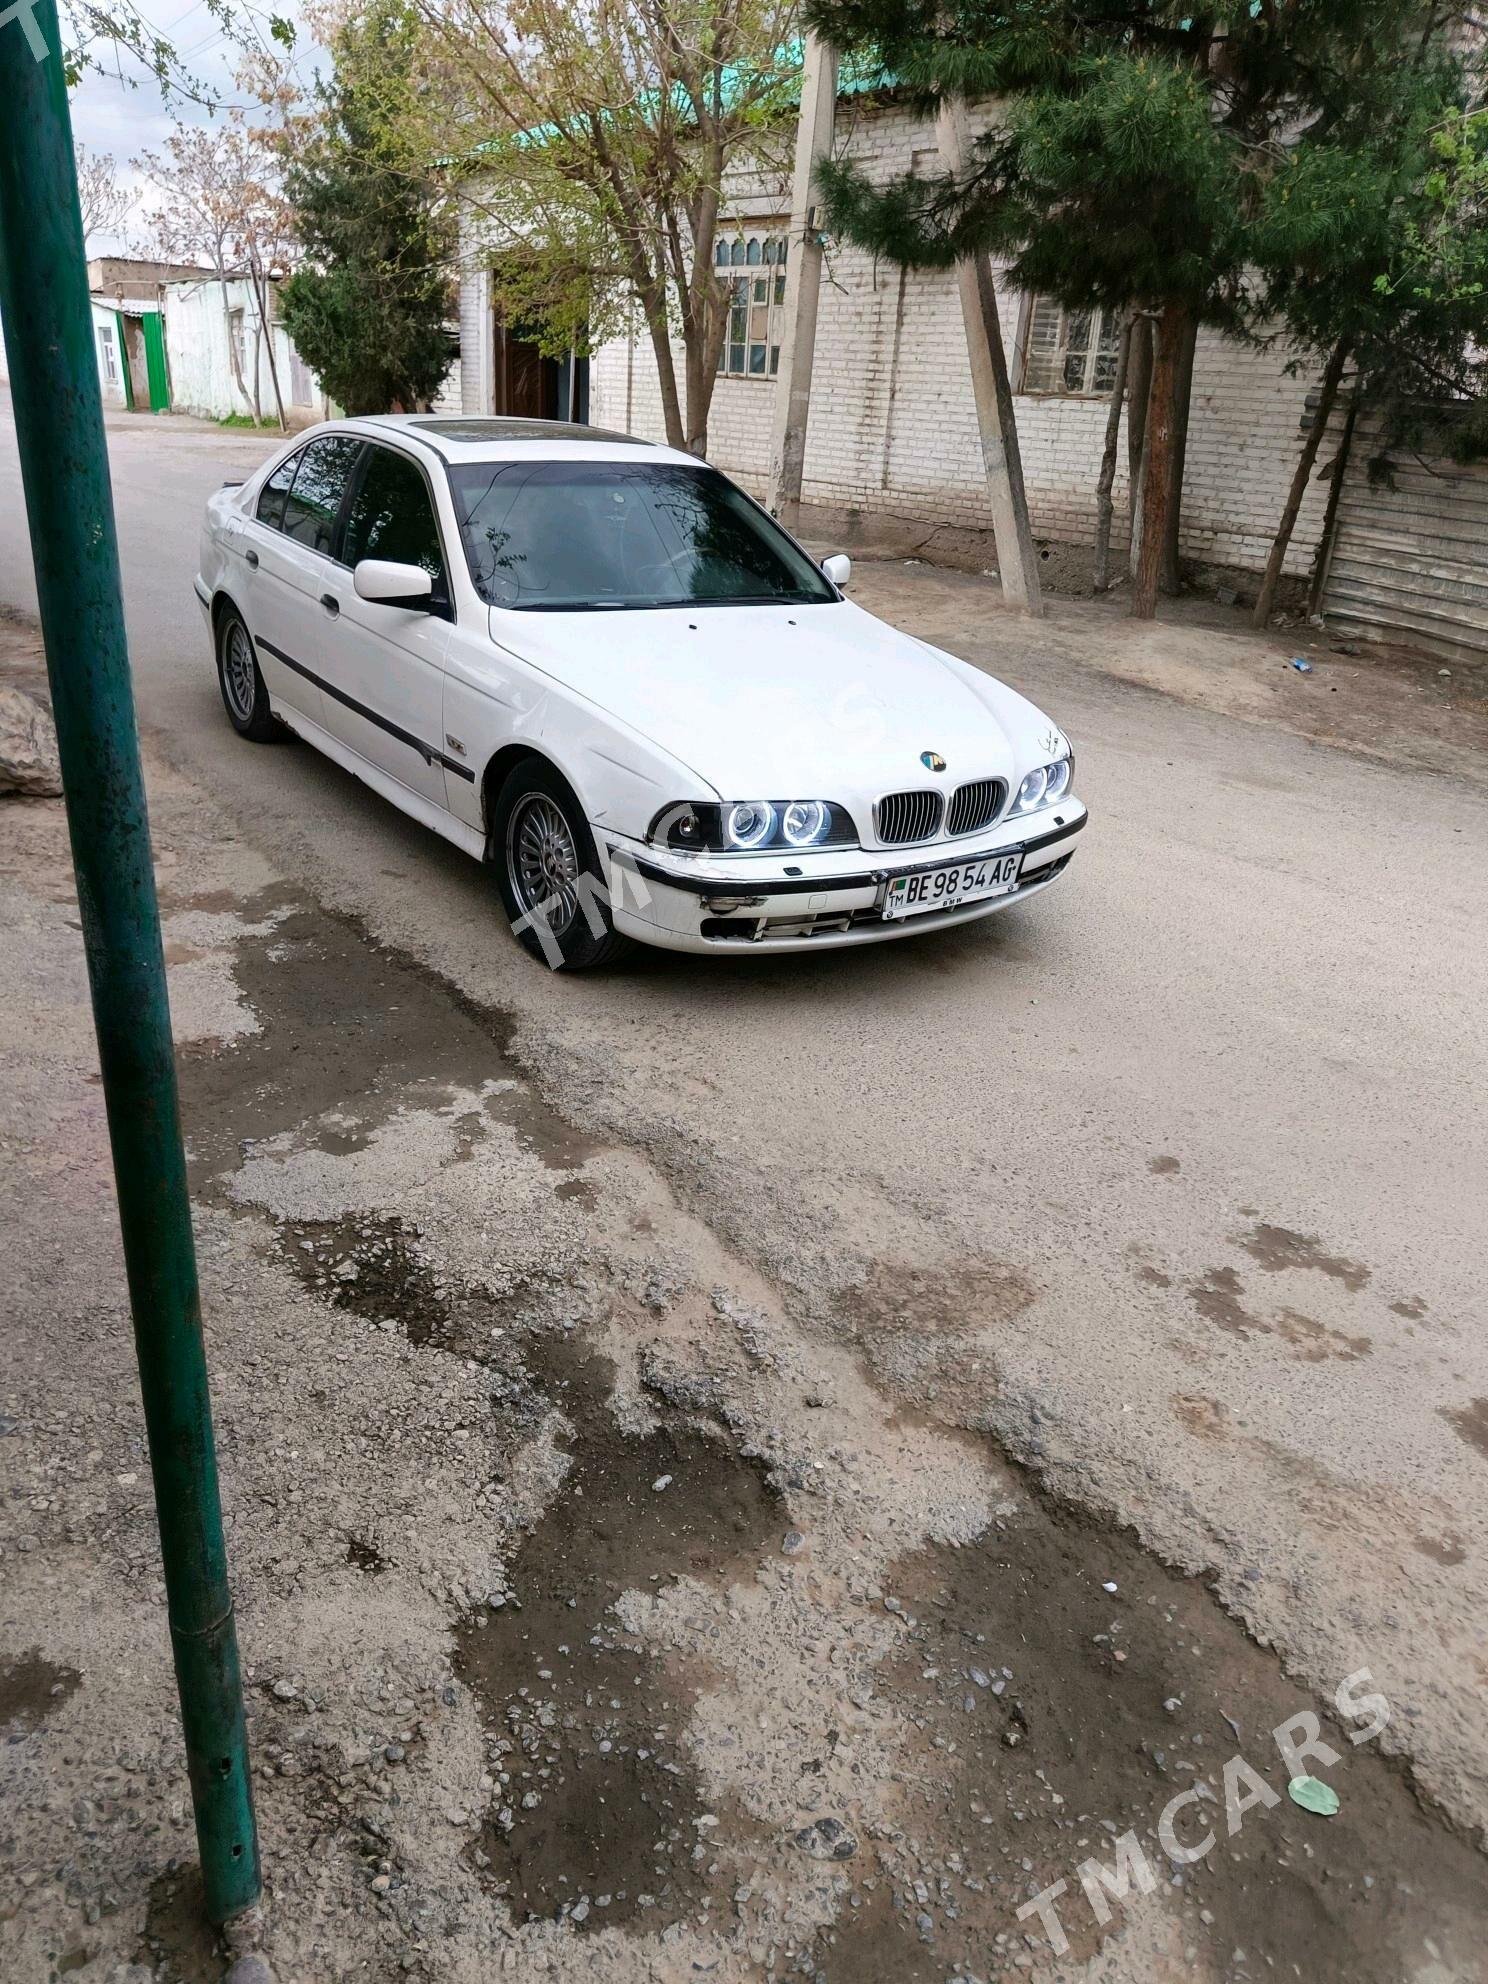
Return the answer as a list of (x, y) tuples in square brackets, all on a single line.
[(64, 464)]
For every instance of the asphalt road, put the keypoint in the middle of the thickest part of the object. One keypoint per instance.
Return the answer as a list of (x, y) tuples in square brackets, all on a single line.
[(1179, 1171)]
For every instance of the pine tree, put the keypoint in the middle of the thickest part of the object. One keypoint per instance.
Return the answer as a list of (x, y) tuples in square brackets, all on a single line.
[(1374, 243), (1125, 169), (368, 309)]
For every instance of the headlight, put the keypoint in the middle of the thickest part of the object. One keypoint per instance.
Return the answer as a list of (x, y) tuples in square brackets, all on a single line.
[(1031, 791), (749, 826), (804, 822), (1043, 786)]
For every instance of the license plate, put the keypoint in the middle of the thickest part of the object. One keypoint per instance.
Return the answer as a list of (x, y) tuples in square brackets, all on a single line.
[(948, 888)]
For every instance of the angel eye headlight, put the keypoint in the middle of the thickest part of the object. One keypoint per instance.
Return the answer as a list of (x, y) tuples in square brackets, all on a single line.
[(1031, 791), (750, 823), (804, 821), (1056, 781)]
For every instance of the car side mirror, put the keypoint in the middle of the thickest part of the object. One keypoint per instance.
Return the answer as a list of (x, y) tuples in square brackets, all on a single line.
[(384, 582), (838, 568)]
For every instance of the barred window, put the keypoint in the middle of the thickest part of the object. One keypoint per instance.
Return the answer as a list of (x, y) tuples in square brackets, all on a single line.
[(1069, 351), (753, 268)]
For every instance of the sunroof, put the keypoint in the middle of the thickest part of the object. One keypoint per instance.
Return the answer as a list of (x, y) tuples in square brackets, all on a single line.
[(493, 427)]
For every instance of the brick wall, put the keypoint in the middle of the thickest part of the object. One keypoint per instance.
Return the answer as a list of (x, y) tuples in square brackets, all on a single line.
[(892, 455)]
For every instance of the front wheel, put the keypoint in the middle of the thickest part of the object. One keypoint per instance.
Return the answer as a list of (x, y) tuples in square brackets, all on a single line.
[(244, 695), (549, 872)]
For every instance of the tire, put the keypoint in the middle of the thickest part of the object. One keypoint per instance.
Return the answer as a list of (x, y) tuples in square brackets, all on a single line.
[(244, 696), (543, 852)]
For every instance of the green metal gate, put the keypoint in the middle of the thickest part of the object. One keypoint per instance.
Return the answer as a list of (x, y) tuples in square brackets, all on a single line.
[(155, 362)]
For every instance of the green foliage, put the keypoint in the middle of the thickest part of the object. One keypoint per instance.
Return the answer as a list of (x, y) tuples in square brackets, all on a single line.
[(1136, 140), (368, 309)]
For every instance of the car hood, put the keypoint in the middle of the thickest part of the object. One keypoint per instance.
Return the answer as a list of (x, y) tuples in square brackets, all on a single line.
[(777, 702)]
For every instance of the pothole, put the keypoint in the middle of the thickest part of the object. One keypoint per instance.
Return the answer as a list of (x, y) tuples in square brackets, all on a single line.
[(1062, 1686), (599, 1819)]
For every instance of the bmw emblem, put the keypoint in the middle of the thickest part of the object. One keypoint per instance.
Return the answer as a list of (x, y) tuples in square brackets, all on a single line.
[(932, 761)]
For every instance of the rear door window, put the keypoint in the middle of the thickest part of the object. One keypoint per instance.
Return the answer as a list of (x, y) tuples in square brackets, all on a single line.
[(271, 497), (313, 504)]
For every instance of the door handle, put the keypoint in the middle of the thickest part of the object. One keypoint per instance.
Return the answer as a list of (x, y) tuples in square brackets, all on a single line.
[(331, 604), (251, 555)]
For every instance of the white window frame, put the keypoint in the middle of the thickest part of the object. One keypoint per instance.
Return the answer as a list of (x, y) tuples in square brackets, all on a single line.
[(1069, 354), (110, 351), (751, 260)]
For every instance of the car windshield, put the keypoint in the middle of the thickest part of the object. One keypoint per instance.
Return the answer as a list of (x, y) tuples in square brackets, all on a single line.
[(581, 536)]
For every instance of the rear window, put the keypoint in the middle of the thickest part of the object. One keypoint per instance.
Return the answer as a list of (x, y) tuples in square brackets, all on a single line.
[(314, 500), (271, 497), (582, 536)]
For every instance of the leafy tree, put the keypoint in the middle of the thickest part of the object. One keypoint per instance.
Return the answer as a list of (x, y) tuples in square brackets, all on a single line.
[(218, 203), (101, 198), (1133, 142), (600, 137), (368, 308), (1375, 245)]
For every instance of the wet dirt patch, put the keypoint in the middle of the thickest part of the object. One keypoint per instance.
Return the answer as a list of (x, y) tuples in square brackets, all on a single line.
[(1448, 1549), (1278, 1248), (31, 1690), (1051, 1715), (335, 1004), (896, 1296), (1163, 1167), (922, 1331), (364, 1556), (1412, 1308), (599, 1819), (1469, 1422), (1217, 1298)]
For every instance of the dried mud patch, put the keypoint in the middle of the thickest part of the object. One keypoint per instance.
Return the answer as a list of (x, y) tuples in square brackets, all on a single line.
[(599, 1819)]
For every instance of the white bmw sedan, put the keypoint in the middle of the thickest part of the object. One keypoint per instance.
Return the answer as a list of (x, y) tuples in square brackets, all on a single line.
[(601, 667)]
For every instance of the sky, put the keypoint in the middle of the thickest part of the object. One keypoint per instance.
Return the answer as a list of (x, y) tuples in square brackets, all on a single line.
[(121, 112)]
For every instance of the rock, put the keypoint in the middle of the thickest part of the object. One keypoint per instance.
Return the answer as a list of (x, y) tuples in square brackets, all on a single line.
[(791, 1542), (252, 1968), (827, 1839), (28, 746)]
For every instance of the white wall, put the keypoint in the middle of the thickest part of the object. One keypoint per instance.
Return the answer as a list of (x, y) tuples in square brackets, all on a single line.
[(113, 394), (201, 372), (892, 449)]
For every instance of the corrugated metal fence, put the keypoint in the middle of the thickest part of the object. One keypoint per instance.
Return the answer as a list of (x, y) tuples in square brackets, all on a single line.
[(1410, 564)]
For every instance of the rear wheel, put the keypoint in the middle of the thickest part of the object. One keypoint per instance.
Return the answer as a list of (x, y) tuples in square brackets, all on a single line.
[(244, 695), (548, 867)]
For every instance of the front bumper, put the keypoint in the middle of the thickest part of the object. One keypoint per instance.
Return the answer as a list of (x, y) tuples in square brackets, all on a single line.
[(818, 901)]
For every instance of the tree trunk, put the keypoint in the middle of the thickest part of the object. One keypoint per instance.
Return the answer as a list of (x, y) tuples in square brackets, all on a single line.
[(1101, 576), (1327, 396), (997, 423), (1336, 474), (1158, 455), (232, 349), (701, 372), (1168, 578), (257, 395), (260, 297), (1138, 393), (666, 370)]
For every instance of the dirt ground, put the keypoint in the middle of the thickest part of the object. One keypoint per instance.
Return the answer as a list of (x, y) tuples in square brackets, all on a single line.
[(603, 1618)]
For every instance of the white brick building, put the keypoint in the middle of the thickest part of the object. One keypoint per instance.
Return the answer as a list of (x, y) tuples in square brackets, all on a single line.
[(892, 458)]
